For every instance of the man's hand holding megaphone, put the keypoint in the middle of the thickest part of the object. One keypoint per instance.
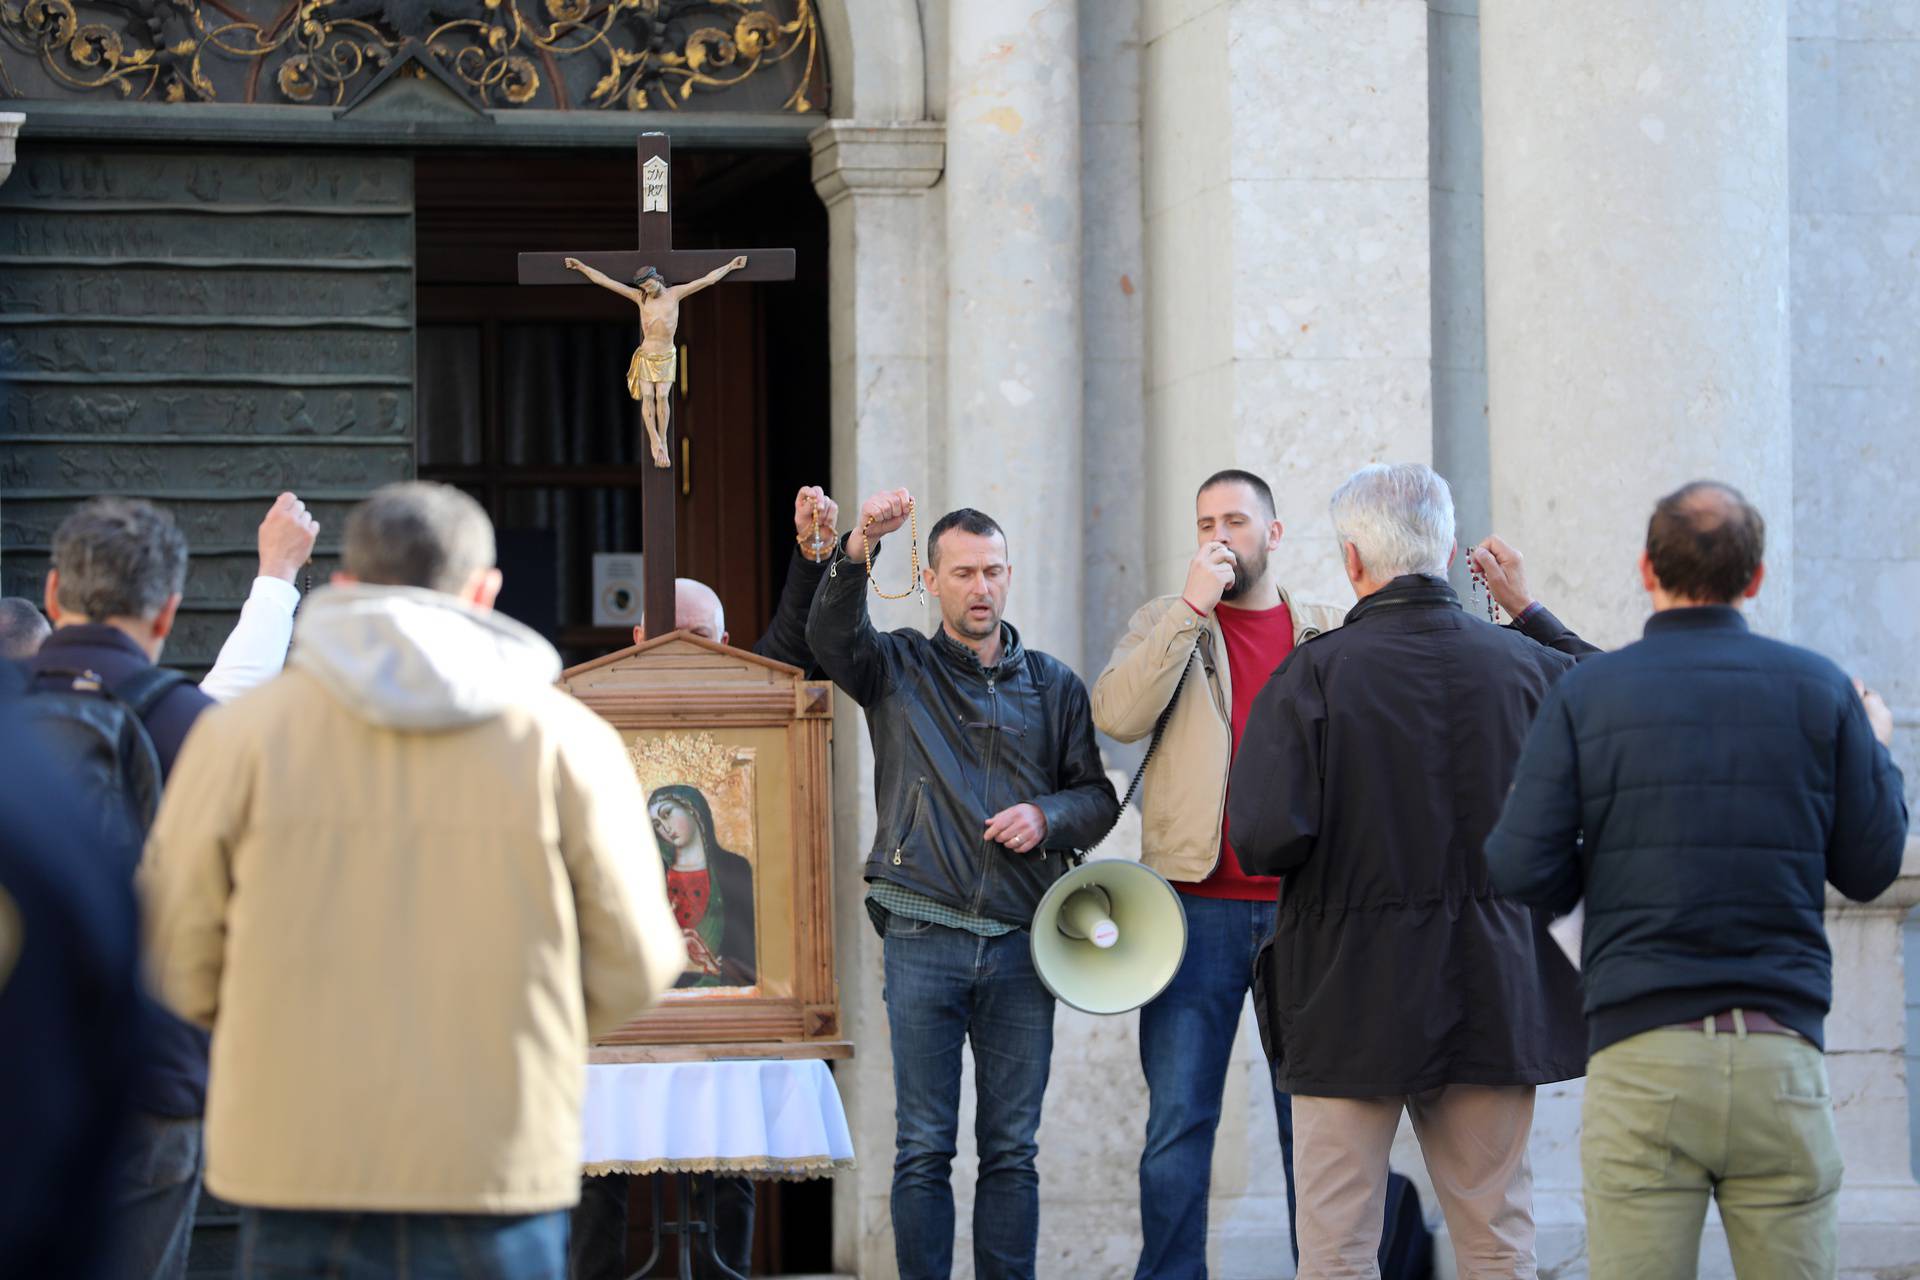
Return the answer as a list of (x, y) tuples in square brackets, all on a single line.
[(1022, 828)]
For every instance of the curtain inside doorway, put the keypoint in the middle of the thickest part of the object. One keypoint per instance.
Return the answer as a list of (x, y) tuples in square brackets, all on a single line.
[(542, 447)]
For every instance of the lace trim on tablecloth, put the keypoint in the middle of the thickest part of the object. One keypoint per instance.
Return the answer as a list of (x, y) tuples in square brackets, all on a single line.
[(759, 1168)]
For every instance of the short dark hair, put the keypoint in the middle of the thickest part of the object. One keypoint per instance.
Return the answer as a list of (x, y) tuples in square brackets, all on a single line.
[(119, 558), (418, 534), (966, 520), (1705, 542), (22, 628), (1233, 475)]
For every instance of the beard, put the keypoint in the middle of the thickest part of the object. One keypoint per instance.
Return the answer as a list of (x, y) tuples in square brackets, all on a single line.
[(964, 624), (1246, 572)]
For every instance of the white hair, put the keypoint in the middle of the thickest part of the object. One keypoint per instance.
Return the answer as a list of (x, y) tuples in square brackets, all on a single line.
[(1399, 518)]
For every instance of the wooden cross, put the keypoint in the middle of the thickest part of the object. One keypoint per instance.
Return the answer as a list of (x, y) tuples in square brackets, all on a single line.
[(658, 554)]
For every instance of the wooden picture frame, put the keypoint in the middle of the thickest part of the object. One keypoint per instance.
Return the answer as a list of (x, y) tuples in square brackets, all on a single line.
[(751, 737)]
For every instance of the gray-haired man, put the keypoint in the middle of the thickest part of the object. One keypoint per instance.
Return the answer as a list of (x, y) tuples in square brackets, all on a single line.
[(1372, 767)]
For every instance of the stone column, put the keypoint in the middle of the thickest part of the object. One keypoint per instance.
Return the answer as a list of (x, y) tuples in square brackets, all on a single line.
[(874, 180), (1289, 280), (1113, 324), (1636, 283), (10, 122), (1013, 299)]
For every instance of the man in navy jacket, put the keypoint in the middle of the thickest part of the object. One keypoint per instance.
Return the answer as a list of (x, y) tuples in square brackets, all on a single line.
[(1699, 789)]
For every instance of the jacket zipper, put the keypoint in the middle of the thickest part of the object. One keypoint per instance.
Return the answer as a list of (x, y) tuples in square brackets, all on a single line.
[(993, 756), (913, 820)]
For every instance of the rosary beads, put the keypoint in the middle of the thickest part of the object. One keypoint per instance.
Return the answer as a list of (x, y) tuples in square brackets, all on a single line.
[(913, 553), (1480, 588), (816, 544)]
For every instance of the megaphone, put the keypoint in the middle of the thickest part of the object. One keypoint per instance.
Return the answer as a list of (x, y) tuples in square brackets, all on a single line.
[(1109, 936)]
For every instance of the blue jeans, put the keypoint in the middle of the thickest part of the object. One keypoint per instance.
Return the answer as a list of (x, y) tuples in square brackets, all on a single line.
[(158, 1187), (945, 987), (1186, 1037), (402, 1246)]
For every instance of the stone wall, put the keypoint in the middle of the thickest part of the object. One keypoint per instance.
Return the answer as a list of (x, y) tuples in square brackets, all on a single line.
[(1856, 276), (1288, 311)]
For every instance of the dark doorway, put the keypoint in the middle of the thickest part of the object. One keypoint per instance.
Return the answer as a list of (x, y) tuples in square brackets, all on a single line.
[(521, 391)]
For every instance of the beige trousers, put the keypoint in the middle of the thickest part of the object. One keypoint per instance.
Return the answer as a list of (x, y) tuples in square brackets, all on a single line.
[(1474, 1140)]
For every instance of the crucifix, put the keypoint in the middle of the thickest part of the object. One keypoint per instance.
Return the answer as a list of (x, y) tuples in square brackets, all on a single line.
[(655, 277)]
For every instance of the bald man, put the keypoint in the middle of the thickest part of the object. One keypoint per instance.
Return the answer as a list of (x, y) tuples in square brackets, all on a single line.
[(697, 608)]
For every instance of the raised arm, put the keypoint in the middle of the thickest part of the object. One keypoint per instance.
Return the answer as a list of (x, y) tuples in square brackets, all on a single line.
[(605, 281), (1146, 665), (1505, 572), (256, 649), (839, 631), (712, 277)]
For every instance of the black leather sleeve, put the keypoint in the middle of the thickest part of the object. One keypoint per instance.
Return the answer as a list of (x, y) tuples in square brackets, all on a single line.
[(1084, 807), (841, 634), (786, 638)]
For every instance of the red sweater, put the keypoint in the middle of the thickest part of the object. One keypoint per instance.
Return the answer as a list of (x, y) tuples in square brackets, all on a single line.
[(1257, 642)]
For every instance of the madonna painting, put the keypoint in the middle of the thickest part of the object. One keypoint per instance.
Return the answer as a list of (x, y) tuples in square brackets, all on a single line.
[(709, 886)]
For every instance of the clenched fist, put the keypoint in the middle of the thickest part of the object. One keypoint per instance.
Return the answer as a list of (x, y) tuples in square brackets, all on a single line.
[(1209, 575), (880, 515), (814, 510), (287, 536), (1505, 573)]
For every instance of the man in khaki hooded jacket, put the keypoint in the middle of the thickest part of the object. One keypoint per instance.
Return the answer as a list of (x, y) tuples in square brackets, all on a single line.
[(1215, 643), (405, 883)]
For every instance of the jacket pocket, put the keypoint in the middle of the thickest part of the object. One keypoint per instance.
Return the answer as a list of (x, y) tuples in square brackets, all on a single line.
[(916, 814)]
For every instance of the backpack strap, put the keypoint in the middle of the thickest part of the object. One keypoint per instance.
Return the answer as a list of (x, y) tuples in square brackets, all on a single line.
[(143, 690)]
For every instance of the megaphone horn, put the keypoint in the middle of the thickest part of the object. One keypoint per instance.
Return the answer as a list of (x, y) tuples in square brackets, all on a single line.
[(1108, 936)]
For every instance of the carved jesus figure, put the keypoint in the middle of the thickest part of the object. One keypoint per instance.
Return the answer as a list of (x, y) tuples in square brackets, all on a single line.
[(656, 363)]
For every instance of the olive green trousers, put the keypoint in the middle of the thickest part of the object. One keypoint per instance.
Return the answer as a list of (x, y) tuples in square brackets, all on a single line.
[(1673, 1117)]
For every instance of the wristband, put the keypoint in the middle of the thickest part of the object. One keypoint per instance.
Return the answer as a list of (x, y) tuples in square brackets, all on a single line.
[(1191, 605)]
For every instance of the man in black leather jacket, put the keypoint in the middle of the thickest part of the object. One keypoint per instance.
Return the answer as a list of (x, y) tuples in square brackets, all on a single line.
[(986, 779)]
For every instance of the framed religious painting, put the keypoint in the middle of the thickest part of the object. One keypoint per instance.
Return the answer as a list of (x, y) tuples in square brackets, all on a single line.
[(730, 750)]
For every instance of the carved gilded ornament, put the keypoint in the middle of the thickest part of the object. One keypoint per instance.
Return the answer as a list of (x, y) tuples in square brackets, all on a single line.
[(602, 54), (682, 759)]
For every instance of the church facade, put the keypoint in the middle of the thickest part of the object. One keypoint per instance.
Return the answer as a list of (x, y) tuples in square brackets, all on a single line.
[(1058, 261)]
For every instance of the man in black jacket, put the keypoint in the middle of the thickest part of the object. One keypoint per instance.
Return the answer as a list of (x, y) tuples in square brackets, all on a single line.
[(1699, 789), (986, 778), (1372, 767)]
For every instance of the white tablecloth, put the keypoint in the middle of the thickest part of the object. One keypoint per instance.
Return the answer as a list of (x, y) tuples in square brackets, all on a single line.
[(770, 1119)]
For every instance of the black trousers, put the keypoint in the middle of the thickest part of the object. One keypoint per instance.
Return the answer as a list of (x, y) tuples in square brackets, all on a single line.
[(597, 1245)]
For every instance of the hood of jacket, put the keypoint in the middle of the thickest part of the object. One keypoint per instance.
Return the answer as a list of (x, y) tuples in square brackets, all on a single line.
[(410, 658)]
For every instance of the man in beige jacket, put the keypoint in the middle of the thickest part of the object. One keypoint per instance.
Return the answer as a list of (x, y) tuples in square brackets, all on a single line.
[(404, 883), (1207, 651)]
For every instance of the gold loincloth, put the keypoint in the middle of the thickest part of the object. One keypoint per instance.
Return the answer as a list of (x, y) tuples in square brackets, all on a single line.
[(648, 367)]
